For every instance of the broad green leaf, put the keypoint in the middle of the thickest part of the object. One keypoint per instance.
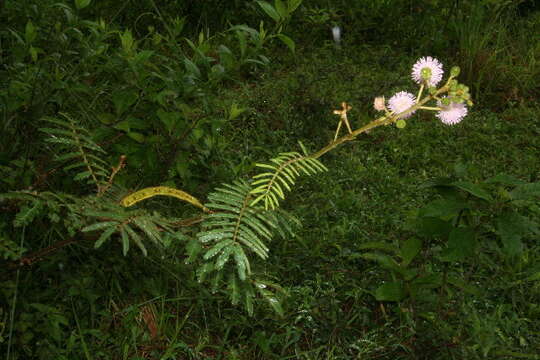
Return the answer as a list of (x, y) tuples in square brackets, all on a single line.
[(138, 137), (429, 281), (410, 249), (385, 261), (378, 245), (443, 208), (30, 32), (461, 284), (33, 53), (504, 179), (287, 41), (473, 189), (281, 9), (391, 291), (123, 99), (193, 248), (269, 10), (461, 244), (192, 68), (127, 41), (433, 227), (511, 227), (529, 191), (293, 5), (81, 4)]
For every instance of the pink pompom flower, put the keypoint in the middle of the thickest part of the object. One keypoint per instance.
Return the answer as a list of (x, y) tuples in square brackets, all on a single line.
[(451, 114), (434, 70), (401, 102)]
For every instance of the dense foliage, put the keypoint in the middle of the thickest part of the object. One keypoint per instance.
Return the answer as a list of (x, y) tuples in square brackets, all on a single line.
[(161, 197)]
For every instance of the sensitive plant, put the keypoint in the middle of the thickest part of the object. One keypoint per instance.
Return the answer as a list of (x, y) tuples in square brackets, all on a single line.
[(239, 219)]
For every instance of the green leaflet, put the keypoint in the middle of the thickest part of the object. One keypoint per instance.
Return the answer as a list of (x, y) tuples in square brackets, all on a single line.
[(270, 186)]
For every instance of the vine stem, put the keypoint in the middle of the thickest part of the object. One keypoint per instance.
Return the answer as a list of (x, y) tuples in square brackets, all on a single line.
[(15, 293), (383, 120)]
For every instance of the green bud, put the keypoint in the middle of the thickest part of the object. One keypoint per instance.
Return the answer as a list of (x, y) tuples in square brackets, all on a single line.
[(459, 100), (452, 93), (453, 83), (401, 123), (455, 99), (470, 103), (432, 90), (425, 73), (465, 88), (445, 101), (466, 96), (455, 71)]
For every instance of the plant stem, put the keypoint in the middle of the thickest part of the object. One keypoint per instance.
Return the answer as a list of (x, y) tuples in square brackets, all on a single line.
[(383, 120)]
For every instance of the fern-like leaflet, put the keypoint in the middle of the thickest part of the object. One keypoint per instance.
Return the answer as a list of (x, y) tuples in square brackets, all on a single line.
[(271, 185), (78, 150), (234, 227)]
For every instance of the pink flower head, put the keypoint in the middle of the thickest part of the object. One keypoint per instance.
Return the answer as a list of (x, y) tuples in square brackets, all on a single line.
[(451, 114), (401, 102), (435, 69)]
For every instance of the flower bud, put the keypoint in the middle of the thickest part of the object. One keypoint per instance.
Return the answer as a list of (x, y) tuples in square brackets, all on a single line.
[(400, 124), (378, 103), (336, 34), (432, 90), (445, 101), (455, 71)]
